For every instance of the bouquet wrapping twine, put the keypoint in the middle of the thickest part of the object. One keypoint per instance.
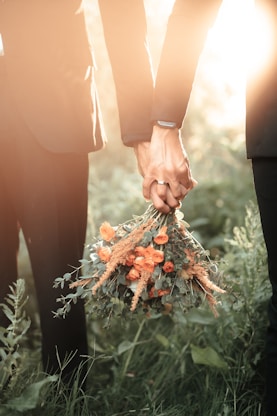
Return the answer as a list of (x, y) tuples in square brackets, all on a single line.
[(151, 263)]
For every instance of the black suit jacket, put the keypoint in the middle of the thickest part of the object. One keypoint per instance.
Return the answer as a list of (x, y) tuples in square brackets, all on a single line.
[(125, 30), (261, 97), (49, 70)]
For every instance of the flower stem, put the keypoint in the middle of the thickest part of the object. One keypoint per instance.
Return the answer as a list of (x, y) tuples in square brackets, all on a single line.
[(130, 353)]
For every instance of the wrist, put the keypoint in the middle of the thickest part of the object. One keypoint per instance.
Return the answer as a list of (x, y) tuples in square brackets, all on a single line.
[(164, 136), (164, 124)]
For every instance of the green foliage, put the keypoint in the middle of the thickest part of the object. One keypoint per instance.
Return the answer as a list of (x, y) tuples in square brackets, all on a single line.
[(29, 398), (207, 356), (12, 336), (225, 184), (211, 204)]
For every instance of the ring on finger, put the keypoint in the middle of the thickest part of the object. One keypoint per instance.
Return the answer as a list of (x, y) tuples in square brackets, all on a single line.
[(161, 182)]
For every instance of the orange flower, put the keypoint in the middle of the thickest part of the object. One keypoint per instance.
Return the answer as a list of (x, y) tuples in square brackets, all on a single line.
[(148, 251), (107, 232), (139, 251), (168, 267), (161, 237), (158, 256), (148, 265), (130, 259), (163, 292), (104, 254), (133, 274), (154, 293)]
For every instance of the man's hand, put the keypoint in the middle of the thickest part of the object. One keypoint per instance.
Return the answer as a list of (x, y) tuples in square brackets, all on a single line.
[(164, 165)]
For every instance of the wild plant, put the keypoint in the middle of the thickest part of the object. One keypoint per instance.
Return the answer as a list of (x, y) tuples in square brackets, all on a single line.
[(13, 335)]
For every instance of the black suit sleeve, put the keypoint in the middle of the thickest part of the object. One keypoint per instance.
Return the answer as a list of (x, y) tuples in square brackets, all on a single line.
[(187, 29), (125, 31)]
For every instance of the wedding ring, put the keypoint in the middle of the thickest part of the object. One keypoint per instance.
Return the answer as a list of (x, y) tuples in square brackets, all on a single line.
[(161, 182)]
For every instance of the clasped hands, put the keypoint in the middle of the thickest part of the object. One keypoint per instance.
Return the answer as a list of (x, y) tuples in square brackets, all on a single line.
[(164, 165)]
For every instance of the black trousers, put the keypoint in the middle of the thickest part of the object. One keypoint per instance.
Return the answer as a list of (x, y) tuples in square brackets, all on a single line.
[(265, 177), (45, 195)]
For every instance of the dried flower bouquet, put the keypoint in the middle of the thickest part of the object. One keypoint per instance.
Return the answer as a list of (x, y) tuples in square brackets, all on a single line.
[(151, 263)]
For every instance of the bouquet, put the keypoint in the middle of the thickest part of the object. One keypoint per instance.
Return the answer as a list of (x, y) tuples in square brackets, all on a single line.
[(151, 263)]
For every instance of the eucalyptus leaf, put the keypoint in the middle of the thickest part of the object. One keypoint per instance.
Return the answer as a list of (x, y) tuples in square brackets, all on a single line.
[(67, 276), (159, 283)]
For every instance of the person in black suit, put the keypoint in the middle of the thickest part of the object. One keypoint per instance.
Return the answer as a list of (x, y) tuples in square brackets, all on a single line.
[(49, 121), (161, 157), (261, 144)]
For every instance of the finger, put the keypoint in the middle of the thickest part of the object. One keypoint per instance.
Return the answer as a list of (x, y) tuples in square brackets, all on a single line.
[(189, 183), (165, 194), (161, 189), (166, 204), (159, 203), (170, 200), (180, 189), (177, 189), (146, 187)]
